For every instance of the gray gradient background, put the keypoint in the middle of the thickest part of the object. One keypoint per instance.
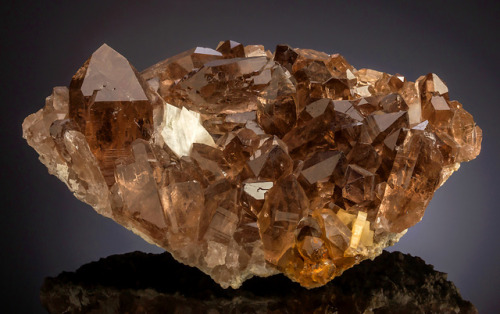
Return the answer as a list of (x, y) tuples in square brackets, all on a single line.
[(45, 230)]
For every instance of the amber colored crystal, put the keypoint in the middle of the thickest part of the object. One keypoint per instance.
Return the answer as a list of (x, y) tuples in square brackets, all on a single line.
[(108, 99), (244, 162)]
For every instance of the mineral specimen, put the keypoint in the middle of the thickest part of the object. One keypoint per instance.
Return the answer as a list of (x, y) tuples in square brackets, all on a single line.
[(242, 162)]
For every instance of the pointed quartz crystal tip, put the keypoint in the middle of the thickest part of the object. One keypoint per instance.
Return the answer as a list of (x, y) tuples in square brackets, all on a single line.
[(243, 162), (109, 101), (111, 77)]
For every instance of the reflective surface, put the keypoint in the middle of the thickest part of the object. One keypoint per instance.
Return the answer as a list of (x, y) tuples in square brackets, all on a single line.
[(155, 283)]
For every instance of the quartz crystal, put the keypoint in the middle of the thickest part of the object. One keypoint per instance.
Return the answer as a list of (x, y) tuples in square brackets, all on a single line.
[(243, 162)]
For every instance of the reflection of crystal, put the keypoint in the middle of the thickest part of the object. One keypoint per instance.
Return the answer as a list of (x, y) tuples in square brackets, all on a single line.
[(241, 162), (155, 283)]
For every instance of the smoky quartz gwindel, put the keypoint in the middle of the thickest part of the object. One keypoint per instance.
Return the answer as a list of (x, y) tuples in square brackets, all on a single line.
[(243, 162)]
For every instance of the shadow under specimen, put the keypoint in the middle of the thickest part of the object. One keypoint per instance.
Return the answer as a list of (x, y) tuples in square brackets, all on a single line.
[(155, 283)]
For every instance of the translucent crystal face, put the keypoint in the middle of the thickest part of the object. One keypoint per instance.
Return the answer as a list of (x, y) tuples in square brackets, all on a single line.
[(109, 102), (244, 162)]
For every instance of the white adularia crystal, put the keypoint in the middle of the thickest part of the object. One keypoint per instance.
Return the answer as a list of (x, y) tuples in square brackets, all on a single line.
[(182, 128)]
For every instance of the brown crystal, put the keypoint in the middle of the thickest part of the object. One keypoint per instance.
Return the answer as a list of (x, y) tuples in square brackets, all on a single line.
[(246, 163), (109, 101)]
